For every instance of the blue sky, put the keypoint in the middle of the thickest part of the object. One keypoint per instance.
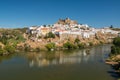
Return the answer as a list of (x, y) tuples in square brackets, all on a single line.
[(22, 13)]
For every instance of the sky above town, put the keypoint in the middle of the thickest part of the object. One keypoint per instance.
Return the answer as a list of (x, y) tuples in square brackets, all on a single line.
[(25, 13)]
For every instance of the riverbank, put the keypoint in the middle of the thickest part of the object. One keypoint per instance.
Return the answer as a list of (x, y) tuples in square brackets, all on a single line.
[(114, 56), (114, 62)]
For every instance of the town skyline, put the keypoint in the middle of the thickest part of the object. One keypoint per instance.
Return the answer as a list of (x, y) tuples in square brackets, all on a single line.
[(25, 13)]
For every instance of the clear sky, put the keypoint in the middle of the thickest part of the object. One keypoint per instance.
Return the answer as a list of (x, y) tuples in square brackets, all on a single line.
[(22, 13)]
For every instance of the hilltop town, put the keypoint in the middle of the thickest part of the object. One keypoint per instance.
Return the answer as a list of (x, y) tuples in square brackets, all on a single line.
[(69, 30)]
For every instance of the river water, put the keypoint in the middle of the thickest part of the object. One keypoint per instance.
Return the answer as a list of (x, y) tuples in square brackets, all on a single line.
[(59, 65)]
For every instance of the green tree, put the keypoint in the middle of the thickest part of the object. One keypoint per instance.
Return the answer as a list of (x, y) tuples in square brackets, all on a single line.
[(111, 26), (50, 35)]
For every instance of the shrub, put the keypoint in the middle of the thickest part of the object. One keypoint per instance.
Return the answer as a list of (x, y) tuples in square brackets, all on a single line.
[(68, 45), (115, 50), (1, 52), (39, 37), (9, 48), (90, 44), (3, 39), (77, 40), (27, 47), (20, 38), (101, 42), (50, 46), (116, 41), (81, 45), (50, 35), (37, 49), (75, 46)]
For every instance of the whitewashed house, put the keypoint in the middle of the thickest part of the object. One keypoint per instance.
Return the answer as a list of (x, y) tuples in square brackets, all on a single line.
[(85, 35)]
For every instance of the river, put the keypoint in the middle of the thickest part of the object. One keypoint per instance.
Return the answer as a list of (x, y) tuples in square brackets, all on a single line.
[(58, 65)]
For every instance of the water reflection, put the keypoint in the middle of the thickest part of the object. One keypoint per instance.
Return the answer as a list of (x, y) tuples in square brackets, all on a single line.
[(65, 57), (58, 65), (6, 57)]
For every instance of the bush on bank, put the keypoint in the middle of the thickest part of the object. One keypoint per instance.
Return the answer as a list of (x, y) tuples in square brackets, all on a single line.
[(50, 46), (115, 49)]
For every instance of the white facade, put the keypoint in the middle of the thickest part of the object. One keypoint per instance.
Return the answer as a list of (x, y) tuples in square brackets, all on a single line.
[(85, 35)]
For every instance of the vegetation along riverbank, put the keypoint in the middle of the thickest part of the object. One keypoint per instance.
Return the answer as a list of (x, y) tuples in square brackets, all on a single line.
[(114, 56)]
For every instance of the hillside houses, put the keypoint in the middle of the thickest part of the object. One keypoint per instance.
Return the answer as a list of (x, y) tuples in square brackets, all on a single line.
[(67, 28), (39, 30)]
